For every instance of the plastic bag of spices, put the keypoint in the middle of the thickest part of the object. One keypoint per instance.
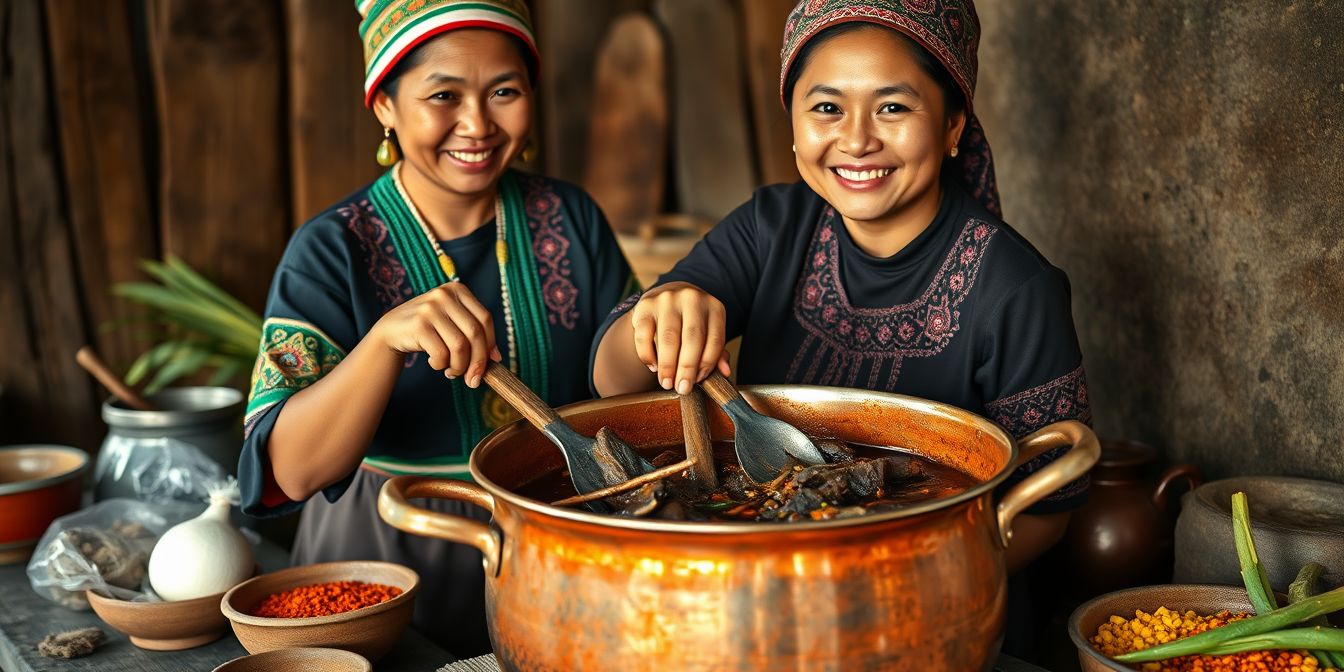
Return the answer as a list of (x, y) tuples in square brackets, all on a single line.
[(105, 547)]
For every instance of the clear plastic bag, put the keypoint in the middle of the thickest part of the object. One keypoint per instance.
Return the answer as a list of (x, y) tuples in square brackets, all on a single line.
[(155, 470), (106, 548)]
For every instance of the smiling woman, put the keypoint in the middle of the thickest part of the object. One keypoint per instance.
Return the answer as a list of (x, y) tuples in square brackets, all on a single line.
[(888, 267), (387, 307)]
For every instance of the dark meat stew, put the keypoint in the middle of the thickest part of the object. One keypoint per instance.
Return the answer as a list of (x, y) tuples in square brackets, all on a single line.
[(855, 480)]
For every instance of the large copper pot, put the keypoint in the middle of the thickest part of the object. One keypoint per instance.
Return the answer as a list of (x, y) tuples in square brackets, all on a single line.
[(917, 589)]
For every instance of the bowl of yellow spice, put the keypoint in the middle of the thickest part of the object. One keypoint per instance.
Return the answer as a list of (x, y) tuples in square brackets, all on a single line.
[(1138, 619)]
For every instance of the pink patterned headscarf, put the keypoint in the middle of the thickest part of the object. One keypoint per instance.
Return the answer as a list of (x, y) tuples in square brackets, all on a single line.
[(948, 29)]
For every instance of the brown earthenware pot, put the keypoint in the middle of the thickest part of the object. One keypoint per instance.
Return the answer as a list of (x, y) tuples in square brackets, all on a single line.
[(1122, 537), (919, 588)]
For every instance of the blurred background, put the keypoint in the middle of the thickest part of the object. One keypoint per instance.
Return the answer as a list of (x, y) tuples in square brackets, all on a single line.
[(1181, 161)]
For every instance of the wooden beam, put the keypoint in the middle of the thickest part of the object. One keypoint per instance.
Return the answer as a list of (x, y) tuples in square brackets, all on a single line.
[(568, 35), (627, 142), (47, 397), (224, 185), (104, 157), (763, 35), (332, 136), (711, 145)]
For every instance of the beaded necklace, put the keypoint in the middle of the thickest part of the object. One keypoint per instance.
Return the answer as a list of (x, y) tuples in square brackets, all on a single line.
[(450, 269)]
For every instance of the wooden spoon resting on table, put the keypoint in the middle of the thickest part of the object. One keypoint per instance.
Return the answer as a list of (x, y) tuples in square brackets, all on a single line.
[(594, 464)]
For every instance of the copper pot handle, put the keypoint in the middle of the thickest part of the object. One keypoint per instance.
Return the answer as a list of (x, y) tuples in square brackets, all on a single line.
[(401, 514), (1064, 470)]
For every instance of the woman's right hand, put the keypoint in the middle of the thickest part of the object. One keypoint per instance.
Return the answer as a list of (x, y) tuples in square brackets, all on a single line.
[(447, 323), (679, 334)]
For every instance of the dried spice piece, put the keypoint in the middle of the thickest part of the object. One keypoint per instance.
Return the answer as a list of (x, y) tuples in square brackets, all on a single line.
[(325, 599), (72, 644)]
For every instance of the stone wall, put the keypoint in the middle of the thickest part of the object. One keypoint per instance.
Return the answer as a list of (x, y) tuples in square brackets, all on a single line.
[(1184, 163)]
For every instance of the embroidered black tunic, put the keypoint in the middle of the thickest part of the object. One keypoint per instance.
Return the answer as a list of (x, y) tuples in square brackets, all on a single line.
[(969, 313)]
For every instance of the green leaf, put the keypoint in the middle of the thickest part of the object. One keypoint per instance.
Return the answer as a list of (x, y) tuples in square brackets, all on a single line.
[(1253, 574), (149, 360), (184, 362), (211, 291), (224, 372)]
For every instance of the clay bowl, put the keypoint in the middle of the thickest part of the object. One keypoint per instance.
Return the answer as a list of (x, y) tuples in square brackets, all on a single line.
[(308, 659), (38, 484), (163, 626), (1202, 599), (371, 632)]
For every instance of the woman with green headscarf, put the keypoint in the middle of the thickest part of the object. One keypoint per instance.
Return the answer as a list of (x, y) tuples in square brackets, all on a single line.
[(888, 267), (386, 308)]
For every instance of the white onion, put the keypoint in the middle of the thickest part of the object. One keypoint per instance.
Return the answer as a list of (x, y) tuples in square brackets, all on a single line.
[(202, 556)]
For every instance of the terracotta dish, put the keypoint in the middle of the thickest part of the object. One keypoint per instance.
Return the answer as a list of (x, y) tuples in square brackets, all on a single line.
[(307, 659), (163, 626), (1087, 618), (38, 484), (371, 632)]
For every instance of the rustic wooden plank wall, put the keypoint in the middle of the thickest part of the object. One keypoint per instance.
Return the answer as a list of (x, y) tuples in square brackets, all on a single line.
[(105, 158), (224, 148), (41, 287), (332, 141), (209, 129)]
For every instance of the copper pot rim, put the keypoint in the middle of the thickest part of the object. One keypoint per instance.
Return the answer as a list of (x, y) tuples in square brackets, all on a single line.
[(499, 437)]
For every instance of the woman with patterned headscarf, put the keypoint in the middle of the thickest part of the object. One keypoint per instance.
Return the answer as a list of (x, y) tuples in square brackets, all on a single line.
[(888, 267), (386, 307)]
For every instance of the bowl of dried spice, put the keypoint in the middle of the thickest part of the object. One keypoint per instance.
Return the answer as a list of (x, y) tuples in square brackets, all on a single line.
[(359, 606)]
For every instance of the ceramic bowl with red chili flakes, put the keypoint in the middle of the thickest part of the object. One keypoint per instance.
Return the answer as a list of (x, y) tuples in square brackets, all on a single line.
[(359, 606)]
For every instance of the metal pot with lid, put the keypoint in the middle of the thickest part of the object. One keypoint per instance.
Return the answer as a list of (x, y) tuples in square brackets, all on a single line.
[(920, 587)]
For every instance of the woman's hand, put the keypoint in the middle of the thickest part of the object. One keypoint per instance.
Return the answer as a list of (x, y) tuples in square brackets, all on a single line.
[(679, 334), (448, 324)]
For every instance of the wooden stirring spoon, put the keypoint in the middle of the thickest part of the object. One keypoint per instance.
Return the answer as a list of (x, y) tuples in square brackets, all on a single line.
[(763, 444), (96, 367), (594, 464)]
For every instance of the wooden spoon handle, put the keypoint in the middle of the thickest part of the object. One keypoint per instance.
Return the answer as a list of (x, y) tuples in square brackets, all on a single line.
[(519, 395), (95, 365), (699, 446), (720, 389)]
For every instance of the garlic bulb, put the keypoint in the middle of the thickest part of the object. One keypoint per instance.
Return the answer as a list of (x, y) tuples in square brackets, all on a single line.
[(202, 556)]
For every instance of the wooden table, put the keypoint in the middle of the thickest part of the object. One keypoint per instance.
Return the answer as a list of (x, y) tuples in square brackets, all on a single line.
[(26, 617)]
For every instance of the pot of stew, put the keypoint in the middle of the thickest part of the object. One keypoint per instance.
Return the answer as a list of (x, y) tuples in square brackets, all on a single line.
[(908, 576)]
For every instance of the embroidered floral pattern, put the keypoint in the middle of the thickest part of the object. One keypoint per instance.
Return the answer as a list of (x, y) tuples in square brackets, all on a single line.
[(293, 355), (844, 340), (551, 248), (385, 269), (1064, 398)]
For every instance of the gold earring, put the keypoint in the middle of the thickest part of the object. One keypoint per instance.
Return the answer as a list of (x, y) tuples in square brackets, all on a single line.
[(953, 153), (387, 155), (795, 149), (529, 151)]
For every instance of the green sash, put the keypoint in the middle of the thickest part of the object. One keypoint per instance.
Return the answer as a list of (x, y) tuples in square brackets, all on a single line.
[(531, 326)]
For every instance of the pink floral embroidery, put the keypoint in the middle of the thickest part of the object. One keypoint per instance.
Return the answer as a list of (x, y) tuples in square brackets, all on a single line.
[(877, 339), (1064, 398), (385, 269), (551, 248)]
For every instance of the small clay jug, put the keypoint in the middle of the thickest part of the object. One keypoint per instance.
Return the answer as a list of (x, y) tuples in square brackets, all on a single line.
[(1123, 536)]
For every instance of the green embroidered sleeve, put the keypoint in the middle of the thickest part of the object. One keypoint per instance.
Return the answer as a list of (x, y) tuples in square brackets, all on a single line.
[(293, 355)]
